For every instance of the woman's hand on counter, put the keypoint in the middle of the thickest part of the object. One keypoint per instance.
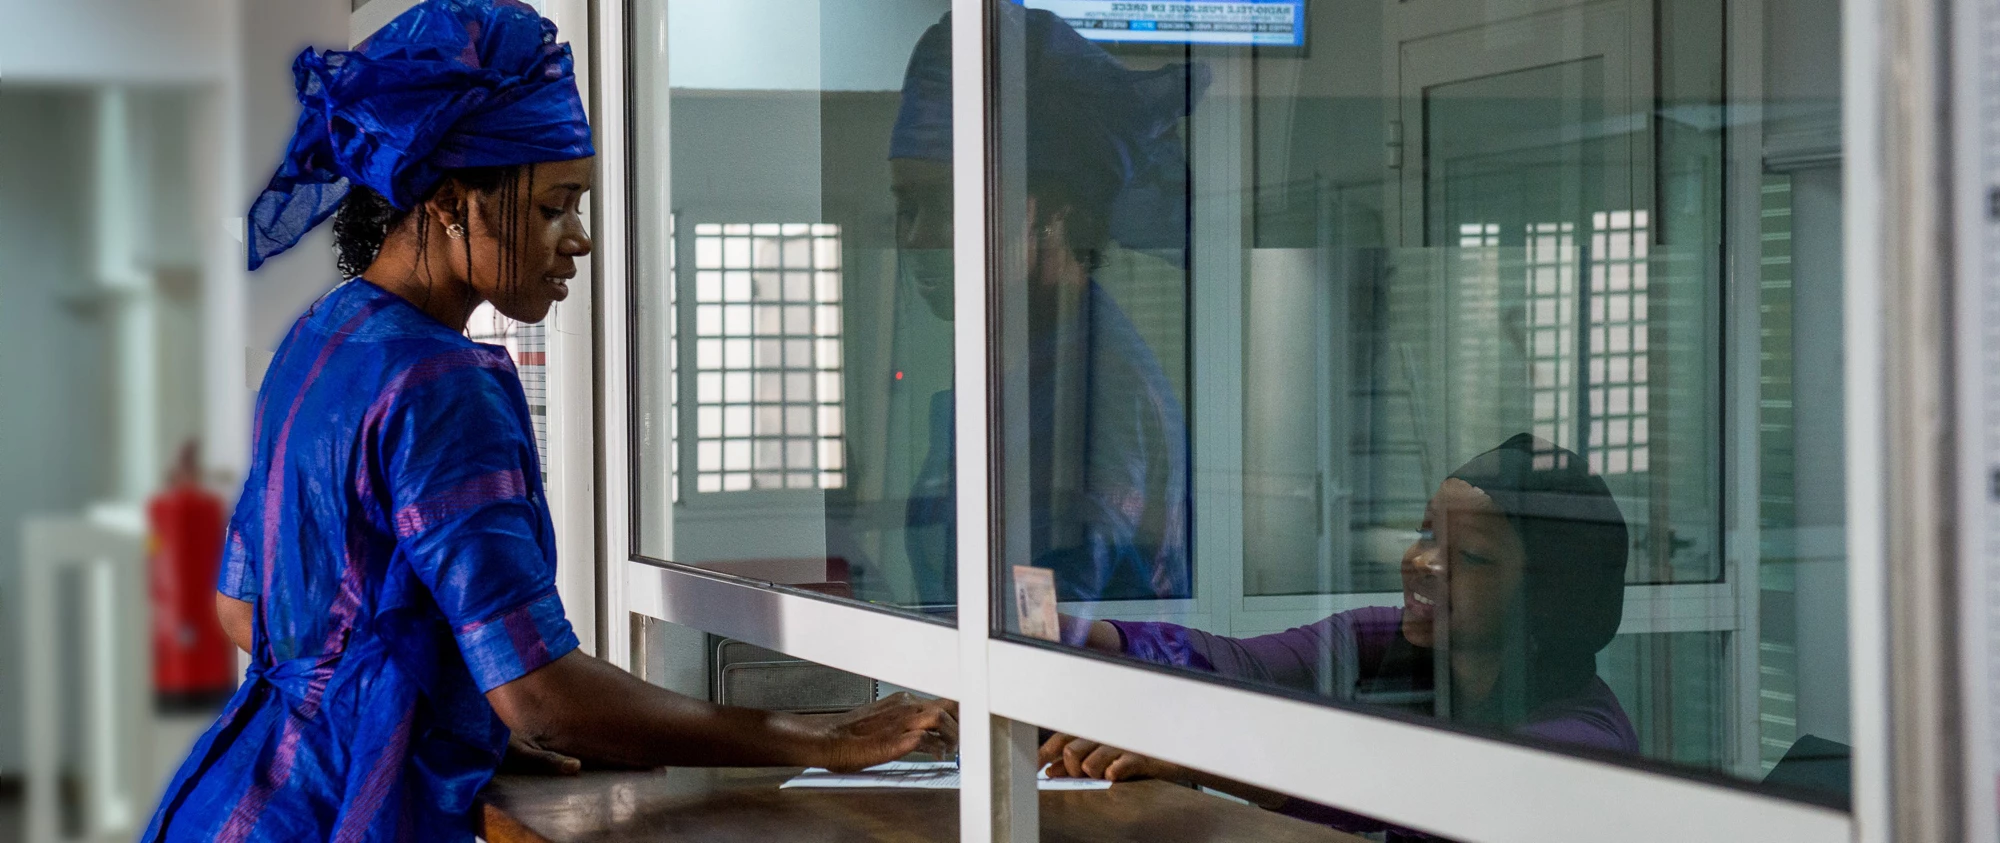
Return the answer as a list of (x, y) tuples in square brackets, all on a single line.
[(1078, 758), (589, 709), (885, 730), (527, 757)]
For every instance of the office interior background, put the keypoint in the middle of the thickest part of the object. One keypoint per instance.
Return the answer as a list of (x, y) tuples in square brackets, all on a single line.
[(1738, 256)]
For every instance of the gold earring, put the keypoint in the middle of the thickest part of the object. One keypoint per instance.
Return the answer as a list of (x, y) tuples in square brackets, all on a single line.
[(455, 231)]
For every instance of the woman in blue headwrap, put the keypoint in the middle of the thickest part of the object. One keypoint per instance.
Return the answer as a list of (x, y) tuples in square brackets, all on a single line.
[(1104, 454), (390, 566)]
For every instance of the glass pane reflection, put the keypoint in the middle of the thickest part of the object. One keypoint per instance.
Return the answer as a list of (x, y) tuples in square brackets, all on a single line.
[(790, 360), (1455, 366)]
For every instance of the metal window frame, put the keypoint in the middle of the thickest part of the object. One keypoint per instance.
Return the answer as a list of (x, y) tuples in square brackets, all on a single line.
[(1475, 788), (1472, 788), (611, 28), (1912, 249), (1977, 229), (900, 650)]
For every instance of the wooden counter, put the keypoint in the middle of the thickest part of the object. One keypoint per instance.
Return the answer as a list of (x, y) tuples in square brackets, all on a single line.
[(746, 805)]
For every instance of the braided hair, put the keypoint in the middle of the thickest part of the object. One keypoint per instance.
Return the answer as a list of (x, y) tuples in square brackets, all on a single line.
[(365, 218)]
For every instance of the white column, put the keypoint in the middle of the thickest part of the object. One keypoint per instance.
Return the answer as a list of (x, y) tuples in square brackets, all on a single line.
[(119, 194)]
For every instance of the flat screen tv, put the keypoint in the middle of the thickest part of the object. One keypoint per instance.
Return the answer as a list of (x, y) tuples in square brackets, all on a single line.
[(1278, 24)]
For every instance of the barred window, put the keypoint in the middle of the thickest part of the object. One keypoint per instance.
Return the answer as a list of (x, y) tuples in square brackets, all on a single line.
[(1613, 383), (528, 345), (1619, 391), (767, 357), (1551, 267)]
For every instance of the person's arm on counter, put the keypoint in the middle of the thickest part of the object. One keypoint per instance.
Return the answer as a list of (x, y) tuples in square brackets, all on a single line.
[(1289, 658), (1298, 658), (1079, 758), (584, 707)]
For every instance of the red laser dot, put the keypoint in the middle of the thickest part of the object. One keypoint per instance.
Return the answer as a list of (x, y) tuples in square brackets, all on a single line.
[(899, 375)]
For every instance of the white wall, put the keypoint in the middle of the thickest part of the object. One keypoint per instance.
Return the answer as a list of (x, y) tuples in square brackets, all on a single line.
[(69, 343), (1821, 476), (54, 56), (795, 45), (273, 33), (1802, 79), (55, 360), (131, 40)]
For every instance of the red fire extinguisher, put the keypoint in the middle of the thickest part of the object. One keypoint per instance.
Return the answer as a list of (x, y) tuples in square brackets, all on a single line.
[(193, 661)]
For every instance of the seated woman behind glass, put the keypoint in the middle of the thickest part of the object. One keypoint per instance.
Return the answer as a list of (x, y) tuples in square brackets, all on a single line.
[(1515, 582)]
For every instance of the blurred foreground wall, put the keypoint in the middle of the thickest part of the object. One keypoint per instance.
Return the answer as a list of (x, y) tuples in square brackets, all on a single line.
[(133, 134), (56, 368)]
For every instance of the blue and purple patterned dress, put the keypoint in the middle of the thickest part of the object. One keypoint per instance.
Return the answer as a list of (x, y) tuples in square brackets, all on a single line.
[(395, 541)]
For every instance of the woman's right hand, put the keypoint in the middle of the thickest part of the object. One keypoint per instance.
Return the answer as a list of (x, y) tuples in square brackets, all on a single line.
[(1077, 758), (885, 730), (1085, 632)]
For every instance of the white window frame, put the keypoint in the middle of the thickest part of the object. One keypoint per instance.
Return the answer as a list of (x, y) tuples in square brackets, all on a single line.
[(1978, 239), (1475, 788)]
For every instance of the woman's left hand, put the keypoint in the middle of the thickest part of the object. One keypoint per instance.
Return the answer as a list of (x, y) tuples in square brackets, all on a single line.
[(526, 757), (1079, 758)]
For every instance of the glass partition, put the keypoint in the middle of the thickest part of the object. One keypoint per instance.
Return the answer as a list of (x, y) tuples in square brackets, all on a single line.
[(793, 364), (1472, 363)]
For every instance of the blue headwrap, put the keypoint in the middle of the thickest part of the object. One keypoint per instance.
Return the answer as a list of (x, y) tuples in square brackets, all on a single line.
[(448, 84), (1092, 123)]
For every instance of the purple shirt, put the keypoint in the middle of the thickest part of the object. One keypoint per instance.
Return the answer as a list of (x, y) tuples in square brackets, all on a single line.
[(1359, 656)]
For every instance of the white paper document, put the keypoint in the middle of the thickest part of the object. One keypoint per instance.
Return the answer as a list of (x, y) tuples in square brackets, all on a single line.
[(921, 775)]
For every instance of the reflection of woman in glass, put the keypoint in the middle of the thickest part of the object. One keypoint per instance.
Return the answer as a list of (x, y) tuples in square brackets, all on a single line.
[(1106, 442), (1513, 585), (391, 568)]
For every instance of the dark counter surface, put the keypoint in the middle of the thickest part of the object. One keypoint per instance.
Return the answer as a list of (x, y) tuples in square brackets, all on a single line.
[(746, 805)]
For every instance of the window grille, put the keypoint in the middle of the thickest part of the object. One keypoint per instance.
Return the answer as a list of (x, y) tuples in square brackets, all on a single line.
[(528, 345), (768, 357), (1619, 390)]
